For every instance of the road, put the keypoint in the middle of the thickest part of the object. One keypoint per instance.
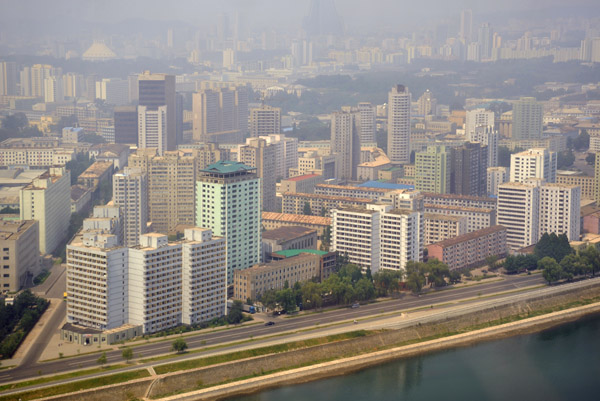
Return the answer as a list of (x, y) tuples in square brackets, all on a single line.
[(282, 325)]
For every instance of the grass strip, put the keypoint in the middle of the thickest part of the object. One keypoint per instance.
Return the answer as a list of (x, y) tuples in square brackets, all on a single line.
[(77, 386), (480, 326), (49, 379), (272, 349)]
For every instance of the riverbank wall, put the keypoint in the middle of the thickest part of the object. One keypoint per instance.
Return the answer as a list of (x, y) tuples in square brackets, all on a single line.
[(344, 356)]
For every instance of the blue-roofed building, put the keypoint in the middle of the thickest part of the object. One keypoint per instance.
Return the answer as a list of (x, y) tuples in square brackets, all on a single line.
[(385, 185)]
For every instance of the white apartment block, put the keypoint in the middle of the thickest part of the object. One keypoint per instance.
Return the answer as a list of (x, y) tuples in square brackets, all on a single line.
[(519, 211), (440, 227), (560, 210), (35, 157), (399, 125), (48, 200), (368, 126), (130, 193), (378, 237), (495, 177), (113, 91), (488, 137), (355, 232), (478, 118), (97, 282), (154, 283), (152, 128), (264, 120), (402, 238), (477, 218), (204, 276), (533, 163), (105, 220)]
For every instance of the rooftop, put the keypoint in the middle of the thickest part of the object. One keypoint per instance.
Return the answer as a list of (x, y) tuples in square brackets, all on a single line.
[(287, 233), (303, 177), (225, 167), (385, 185), (328, 197), (451, 207), (12, 230), (455, 196), (438, 216), (96, 169), (297, 218), (289, 253)]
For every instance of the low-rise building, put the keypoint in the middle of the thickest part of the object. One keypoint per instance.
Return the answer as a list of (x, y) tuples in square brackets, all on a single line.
[(271, 221), (481, 202), (477, 218), (251, 283), (328, 260), (95, 174), (284, 238), (471, 249), (440, 227), (319, 204), (303, 184), (19, 246), (587, 183), (81, 198)]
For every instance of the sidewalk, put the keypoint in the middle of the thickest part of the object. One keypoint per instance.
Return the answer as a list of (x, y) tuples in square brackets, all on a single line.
[(33, 334)]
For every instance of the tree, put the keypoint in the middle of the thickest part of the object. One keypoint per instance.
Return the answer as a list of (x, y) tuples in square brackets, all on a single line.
[(415, 276), (551, 270), (127, 354), (179, 346), (102, 359), (235, 312), (454, 277), (268, 299), (555, 246), (582, 141), (590, 159), (352, 271), (492, 261), (326, 239), (591, 258), (286, 299), (436, 272), (565, 159), (306, 211), (571, 266)]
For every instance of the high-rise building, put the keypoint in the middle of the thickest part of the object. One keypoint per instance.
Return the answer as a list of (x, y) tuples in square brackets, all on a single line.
[(465, 32), (153, 128), (528, 119), (154, 283), (469, 170), (220, 113), (476, 118), (519, 211), (48, 200), (126, 125), (485, 40), (426, 104), (378, 236), (399, 125), (265, 120), (228, 202), (486, 136), (560, 210), (495, 177), (259, 154), (8, 78), (32, 79), (322, 19), (155, 91), (345, 141), (113, 91), (74, 85), (130, 193), (171, 190), (20, 253), (97, 281), (204, 276), (286, 153), (53, 89), (368, 123), (433, 170), (533, 163)]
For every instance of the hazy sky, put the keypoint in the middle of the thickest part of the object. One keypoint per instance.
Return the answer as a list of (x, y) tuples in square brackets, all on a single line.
[(278, 13)]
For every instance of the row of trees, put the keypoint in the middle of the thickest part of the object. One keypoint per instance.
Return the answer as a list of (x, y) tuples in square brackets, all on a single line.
[(17, 320), (350, 285), (549, 245)]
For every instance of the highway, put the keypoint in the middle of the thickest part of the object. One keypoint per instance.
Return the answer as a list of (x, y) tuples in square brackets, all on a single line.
[(283, 325)]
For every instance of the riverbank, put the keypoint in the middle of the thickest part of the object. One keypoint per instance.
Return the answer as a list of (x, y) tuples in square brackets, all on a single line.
[(353, 364)]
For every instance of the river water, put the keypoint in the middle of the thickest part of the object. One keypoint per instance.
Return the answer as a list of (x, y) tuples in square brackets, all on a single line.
[(562, 363)]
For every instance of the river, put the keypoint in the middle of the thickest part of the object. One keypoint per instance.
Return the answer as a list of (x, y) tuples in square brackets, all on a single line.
[(562, 363)]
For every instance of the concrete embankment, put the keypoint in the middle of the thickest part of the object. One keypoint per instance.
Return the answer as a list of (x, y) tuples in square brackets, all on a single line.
[(353, 364), (346, 353)]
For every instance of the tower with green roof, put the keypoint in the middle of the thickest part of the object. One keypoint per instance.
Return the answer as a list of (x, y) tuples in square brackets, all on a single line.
[(228, 202)]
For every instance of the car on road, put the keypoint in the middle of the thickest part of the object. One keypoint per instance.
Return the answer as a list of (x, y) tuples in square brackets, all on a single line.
[(355, 305), (269, 323)]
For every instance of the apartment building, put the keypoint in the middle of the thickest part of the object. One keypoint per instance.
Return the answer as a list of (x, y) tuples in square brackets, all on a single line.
[(439, 227), (19, 245), (533, 163), (130, 193), (519, 212), (477, 218), (472, 249), (319, 204)]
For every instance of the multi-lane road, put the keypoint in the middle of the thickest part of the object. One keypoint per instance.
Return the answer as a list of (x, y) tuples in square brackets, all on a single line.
[(315, 321)]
